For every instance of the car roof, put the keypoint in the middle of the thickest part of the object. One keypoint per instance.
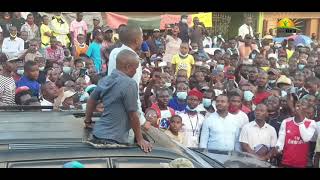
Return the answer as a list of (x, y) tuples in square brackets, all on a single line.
[(44, 132)]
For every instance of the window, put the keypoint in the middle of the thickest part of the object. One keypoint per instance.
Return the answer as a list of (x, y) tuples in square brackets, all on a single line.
[(88, 163), (137, 162)]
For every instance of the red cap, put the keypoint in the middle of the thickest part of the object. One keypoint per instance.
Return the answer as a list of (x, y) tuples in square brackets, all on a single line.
[(196, 92), (21, 89)]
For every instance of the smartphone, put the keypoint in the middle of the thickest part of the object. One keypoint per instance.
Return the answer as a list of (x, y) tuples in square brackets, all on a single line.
[(83, 72)]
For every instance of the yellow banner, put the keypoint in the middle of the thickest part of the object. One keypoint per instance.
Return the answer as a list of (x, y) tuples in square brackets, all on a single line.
[(206, 18)]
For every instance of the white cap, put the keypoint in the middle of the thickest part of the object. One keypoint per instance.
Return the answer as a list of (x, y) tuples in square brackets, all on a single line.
[(273, 56), (66, 95)]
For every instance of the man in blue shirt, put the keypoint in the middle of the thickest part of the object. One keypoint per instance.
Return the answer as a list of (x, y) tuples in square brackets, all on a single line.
[(179, 102), (94, 50), (29, 79), (220, 130)]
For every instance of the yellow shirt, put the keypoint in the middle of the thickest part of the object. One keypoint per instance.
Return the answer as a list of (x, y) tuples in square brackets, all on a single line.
[(178, 138), (45, 40), (289, 53), (185, 63)]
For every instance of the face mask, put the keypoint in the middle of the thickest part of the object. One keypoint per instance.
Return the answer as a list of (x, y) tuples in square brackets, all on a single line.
[(41, 68), (301, 66), (167, 84), (195, 50), (198, 63), (217, 92), (206, 102), (183, 55), (66, 70), (248, 95), (184, 21), (71, 107), (233, 109), (20, 72), (84, 97), (13, 36), (265, 68), (272, 81), (283, 66), (190, 109), (182, 95), (283, 93), (220, 67)]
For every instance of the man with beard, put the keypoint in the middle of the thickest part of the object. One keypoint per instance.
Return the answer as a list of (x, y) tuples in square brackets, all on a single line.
[(258, 137), (13, 46), (219, 130), (262, 93), (241, 118), (295, 136), (275, 117), (299, 81), (253, 74), (273, 75)]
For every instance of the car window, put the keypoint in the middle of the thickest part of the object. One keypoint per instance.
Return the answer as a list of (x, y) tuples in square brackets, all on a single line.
[(88, 163), (131, 162)]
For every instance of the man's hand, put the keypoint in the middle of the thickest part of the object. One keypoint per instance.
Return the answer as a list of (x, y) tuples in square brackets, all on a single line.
[(145, 145), (88, 124)]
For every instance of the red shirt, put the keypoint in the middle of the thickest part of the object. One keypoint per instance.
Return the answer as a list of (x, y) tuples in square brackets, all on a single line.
[(157, 109), (245, 109), (259, 97), (295, 150)]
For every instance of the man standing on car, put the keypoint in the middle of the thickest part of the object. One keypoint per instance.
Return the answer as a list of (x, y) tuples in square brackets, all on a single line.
[(119, 93)]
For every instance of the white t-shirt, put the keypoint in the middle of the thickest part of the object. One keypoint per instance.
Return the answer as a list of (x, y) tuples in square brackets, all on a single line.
[(253, 135), (44, 102), (241, 119), (191, 129)]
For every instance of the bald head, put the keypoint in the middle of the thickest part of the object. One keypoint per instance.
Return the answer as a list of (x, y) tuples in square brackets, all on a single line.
[(127, 62), (131, 35)]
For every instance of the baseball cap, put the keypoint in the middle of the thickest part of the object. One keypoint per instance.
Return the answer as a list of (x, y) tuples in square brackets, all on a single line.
[(273, 56), (268, 37), (96, 18), (284, 80), (66, 95), (300, 45), (106, 28), (156, 30), (184, 16), (21, 89)]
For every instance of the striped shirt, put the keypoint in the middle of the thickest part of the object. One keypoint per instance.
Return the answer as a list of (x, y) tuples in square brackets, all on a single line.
[(7, 90)]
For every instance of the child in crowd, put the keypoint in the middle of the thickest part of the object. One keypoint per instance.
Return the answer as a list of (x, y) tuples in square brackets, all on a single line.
[(174, 130), (80, 47), (31, 74), (183, 60)]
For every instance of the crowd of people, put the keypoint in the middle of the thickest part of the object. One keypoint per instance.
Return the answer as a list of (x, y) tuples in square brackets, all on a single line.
[(249, 94)]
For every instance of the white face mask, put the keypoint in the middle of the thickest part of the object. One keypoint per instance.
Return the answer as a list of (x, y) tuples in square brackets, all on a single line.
[(167, 84), (184, 21), (198, 63), (183, 55)]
